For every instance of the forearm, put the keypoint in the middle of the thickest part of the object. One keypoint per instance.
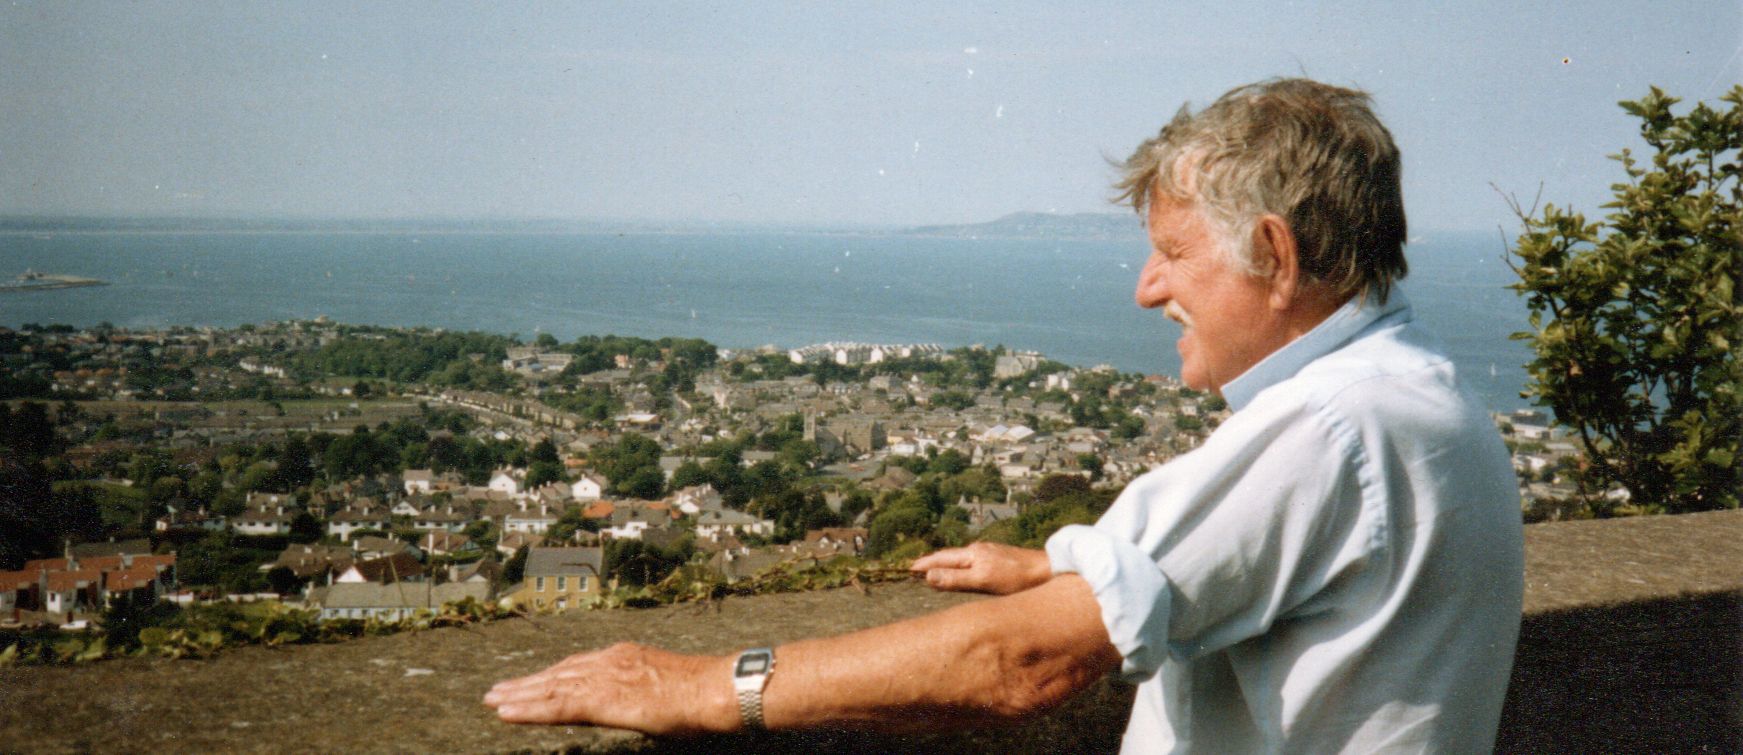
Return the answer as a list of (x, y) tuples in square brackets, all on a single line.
[(977, 663), (981, 662)]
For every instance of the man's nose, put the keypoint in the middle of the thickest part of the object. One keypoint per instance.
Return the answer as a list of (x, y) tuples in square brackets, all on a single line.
[(1152, 289)]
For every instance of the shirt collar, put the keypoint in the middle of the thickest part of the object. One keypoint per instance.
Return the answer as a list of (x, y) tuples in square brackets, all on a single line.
[(1348, 322)]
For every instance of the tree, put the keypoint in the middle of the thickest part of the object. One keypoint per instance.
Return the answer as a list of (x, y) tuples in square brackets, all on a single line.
[(544, 450), (516, 568), (1060, 485), (1634, 319), (283, 581), (544, 472), (620, 461), (305, 528)]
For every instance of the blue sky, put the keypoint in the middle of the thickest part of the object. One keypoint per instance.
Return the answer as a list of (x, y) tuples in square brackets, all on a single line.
[(818, 114)]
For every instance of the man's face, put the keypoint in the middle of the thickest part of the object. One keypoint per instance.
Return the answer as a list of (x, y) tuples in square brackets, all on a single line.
[(1228, 325)]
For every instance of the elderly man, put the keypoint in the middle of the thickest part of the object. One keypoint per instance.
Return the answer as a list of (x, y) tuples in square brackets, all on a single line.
[(1337, 568)]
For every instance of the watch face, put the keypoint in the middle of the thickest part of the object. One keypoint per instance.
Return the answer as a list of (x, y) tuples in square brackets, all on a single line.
[(751, 664)]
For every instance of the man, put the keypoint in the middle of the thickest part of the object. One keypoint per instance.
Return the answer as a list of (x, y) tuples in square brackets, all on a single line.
[(1338, 567)]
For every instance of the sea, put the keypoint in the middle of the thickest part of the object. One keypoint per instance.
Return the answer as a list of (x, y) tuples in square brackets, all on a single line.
[(1068, 299)]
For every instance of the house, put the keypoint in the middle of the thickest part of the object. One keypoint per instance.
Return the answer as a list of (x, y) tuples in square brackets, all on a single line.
[(418, 481), (268, 519), (739, 563), (485, 570), (514, 541), (893, 478), (842, 539), (629, 519), (392, 602), (375, 546), (590, 487), (68, 591), (554, 494), (401, 567), (557, 578), (535, 521), (356, 517), (313, 561), (982, 514), (446, 518), (507, 480), (441, 543), (178, 518), (17, 590), (714, 525), (695, 499)]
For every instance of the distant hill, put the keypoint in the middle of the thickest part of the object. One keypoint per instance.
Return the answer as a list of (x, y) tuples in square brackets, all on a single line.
[(1044, 225)]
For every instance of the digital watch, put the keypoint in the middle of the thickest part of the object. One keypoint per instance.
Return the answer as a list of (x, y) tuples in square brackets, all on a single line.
[(749, 675)]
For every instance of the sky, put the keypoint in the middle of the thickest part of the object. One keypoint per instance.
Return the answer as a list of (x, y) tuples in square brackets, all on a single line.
[(815, 114)]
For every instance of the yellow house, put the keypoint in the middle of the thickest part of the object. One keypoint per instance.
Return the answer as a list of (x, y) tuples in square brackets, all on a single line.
[(558, 578)]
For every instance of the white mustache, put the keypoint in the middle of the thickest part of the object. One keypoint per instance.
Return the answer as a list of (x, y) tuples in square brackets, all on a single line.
[(1173, 312)]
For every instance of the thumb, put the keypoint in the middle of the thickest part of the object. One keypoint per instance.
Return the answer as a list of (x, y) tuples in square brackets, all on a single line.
[(945, 579)]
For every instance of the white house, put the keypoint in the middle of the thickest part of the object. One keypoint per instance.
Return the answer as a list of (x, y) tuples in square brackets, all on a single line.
[(273, 520), (507, 481), (590, 487), (393, 602), (419, 481), (718, 524), (530, 521), (696, 499)]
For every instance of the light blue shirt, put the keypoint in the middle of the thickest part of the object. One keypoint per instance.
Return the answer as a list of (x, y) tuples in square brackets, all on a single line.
[(1338, 568)]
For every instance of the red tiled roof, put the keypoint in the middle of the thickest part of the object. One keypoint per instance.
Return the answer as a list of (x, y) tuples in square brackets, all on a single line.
[(154, 561), (101, 563), (131, 579), (45, 564), (73, 580)]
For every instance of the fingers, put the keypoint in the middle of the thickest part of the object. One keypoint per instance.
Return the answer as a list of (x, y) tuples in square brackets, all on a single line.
[(950, 580), (543, 685), (949, 558)]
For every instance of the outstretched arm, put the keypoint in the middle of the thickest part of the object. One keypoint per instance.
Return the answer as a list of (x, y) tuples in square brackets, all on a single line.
[(977, 663)]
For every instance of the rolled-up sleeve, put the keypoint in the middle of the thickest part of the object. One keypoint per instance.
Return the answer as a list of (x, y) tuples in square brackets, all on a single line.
[(1214, 547), (1132, 591)]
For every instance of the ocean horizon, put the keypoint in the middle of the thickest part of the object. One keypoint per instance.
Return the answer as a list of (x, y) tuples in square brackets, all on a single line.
[(1070, 299)]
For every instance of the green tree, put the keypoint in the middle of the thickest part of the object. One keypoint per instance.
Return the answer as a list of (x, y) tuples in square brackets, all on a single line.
[(305, 528), (515, 570), (1060, 485), (544, 450), (544, 472), (283, 581), (1635, 319), (687, 474), (903, 521), (621, 461)]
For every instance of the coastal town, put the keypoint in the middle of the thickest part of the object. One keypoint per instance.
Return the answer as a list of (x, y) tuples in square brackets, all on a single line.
[(369, 473)]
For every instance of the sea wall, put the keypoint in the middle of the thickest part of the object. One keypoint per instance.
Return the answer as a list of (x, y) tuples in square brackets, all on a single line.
[(1631, 642)]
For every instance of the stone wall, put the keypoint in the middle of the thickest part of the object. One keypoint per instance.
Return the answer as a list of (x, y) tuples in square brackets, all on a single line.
[(1631, 642)]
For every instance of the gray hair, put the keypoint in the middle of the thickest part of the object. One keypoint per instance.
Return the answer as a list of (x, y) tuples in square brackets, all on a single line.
[(1311, 153)]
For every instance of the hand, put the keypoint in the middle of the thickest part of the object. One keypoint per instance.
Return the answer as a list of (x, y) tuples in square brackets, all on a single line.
[(985, 567), (625, 686)]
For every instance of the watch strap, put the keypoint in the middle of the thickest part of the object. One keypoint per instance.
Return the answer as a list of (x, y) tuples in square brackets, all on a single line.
[(750, 708)]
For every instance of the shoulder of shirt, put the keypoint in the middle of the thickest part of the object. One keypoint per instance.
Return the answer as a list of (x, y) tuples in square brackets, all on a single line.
[(1397, 368)]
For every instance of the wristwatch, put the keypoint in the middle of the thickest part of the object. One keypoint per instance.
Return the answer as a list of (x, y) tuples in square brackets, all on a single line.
[(749, 675)]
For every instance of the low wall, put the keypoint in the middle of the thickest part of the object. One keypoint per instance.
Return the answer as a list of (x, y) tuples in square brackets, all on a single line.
[(1632, 641)]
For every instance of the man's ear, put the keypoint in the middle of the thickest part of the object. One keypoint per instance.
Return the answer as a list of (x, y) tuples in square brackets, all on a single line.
[(1276, 252)]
